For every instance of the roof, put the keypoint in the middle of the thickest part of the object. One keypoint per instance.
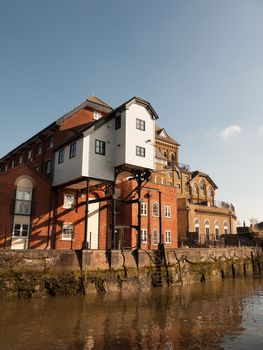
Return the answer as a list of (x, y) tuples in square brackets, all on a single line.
[(98, 123), (200, 173), (162, 135), (98, 101), (95, 103)]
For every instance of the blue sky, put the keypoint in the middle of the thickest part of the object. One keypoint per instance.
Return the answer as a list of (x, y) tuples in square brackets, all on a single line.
[(199, 63)]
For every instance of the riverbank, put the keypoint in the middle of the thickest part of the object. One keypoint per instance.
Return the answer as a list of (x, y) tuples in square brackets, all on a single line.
[(36, 274)]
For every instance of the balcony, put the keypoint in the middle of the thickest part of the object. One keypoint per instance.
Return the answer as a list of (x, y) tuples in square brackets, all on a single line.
[(171, 165), (22, 207)]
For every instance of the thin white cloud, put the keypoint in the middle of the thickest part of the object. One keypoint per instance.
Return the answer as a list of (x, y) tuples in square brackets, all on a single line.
[(230, 131)]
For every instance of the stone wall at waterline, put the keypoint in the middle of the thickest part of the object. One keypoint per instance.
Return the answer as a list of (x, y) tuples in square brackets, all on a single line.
[(25, 274)]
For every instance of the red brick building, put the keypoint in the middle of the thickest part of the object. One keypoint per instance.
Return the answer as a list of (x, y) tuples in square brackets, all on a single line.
[(84, 182)]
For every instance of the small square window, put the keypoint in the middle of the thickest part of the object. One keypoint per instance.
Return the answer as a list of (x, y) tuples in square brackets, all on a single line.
[(61, 155), (73, 150), (69, 201), (97, 115), (140, 151), (100, 147), (140, 124)]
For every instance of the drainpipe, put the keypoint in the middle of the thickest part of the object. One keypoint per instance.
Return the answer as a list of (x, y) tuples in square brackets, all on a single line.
[(85, 244), (160, 218), (149, 219), (113, 218), (139, 213)]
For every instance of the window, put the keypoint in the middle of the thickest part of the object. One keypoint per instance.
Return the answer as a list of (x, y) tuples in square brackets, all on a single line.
[(37, 168), (167, 236), (118, 122), (50, 143), (61, 154), (140, 124), (21, 230), (225, 228), (48, 167), (167, 211), (186, 188), (216, 230), (100, 147), (178, 186), (6, 167), (73, 150), (155, 237), (195, 189), (23, 201), (20, 160), (143, 208), (67, 231), (155, 209), (39, 149), (202, 186), (140, 151), (207, 229), (143, 235), (197, 226), (69, 200), (97, 115), (210, 192), (29, 154), (13, 163)]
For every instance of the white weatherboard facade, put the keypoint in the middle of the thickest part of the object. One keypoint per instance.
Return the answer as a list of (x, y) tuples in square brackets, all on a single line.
[(120, 147)]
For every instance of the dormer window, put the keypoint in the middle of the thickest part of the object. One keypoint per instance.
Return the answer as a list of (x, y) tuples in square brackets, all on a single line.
[(96, 115)]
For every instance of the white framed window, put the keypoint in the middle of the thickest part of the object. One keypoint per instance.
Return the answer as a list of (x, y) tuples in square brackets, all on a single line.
[(155, 209), (69, 201), (143, 208), (96, 115), (143, 235), (67, 231), (155, 239), (167, 211), (168, 236), (225, 228), (21, 230)]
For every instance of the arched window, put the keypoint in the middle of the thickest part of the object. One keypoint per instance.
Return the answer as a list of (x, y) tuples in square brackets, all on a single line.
[(172, 158), (165, 153), (216, 230), (155, 209), (210, 191), (197, 226), (23, 196), (155, 237), (195, 189), (207, 229), (225, 228), (202, 186)]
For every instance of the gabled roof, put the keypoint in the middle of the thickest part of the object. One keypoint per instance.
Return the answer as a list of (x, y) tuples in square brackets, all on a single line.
[(100, 122), (200, 173), (95, 103), (162, 135), (98, 101)]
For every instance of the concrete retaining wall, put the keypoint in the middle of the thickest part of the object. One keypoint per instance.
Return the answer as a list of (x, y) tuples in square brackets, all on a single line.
[(35, 273)]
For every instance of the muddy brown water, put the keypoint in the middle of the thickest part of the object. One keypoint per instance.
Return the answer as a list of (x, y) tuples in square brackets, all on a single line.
[(225, 314)]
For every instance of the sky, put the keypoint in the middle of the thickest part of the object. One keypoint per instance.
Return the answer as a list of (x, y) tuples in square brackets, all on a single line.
[(198, 62)]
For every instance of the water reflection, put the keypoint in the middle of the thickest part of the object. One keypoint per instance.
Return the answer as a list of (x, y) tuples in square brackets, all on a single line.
[(213, 315)]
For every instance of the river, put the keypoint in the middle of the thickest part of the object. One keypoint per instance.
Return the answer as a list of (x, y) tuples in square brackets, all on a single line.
[(225, 314)]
